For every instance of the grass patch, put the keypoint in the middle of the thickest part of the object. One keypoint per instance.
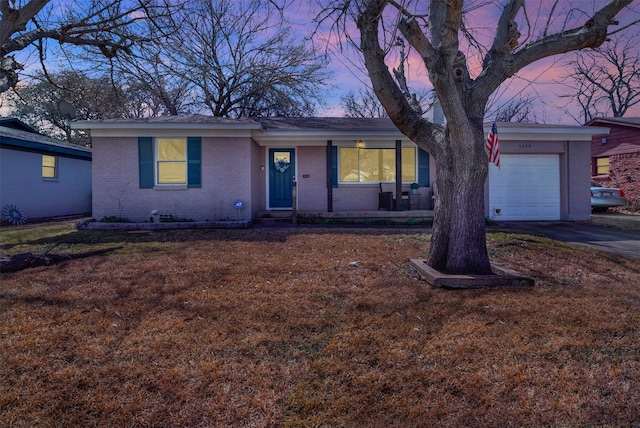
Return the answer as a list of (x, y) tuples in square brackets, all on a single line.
[(313, 327), (616, 223)]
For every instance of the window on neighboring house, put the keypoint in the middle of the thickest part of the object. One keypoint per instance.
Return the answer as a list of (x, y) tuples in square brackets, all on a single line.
[(375, 165), (49, 164), (602, 166), (171, 161)]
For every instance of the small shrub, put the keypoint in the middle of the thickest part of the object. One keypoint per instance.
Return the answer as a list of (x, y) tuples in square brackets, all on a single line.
[(114, 219), (168, 218)]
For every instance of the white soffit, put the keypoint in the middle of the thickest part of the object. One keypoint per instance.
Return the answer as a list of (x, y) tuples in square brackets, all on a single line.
[(515, 131)]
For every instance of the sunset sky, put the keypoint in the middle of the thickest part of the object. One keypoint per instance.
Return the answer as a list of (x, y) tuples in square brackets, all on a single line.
[(540, 80)]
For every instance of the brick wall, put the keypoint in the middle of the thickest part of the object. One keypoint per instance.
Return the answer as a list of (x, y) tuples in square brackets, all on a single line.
[(226, 164), (625, 174)]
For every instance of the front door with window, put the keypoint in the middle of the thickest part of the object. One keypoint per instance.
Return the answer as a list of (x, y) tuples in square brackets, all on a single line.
[(281, 175)]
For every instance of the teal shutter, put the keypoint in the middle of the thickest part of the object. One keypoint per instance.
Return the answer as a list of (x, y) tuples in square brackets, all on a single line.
[(423, 168), (145, 159), (334, 166), (194, 162)]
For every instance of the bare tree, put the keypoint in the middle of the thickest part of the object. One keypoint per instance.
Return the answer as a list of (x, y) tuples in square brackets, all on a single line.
[(368, 105), (157, 88), (365, 104), (605, 81), (94, 97), (438, 34), (104, 27), (36, 103), (516, 110), (242, 59)]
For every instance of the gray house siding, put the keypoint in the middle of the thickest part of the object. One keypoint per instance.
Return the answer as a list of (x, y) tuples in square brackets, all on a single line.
[(22, 184)]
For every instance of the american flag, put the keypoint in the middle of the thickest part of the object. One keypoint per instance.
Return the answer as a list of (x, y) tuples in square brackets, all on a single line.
[(492, 145)]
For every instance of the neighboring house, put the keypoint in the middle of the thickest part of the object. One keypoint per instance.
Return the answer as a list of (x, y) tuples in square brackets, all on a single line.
[(42, 176), (198, 167), (615, 158)]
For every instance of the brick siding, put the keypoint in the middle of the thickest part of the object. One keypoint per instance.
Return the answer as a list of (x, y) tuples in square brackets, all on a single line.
[(225, 168), (624, 173)]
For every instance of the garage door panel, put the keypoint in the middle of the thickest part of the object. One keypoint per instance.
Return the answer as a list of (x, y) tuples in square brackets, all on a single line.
[(527, 187)]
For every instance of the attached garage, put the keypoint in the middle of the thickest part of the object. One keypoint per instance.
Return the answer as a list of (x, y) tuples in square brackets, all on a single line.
[(526, 187), (544, 173)]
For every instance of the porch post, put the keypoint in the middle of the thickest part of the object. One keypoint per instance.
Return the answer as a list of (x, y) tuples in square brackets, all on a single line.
[(329, 176), (398, 203)]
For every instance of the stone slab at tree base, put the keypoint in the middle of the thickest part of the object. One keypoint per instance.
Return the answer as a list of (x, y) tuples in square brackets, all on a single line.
[(503, 278)]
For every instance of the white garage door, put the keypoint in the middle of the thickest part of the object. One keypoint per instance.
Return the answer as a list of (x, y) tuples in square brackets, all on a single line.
[(526, 187)]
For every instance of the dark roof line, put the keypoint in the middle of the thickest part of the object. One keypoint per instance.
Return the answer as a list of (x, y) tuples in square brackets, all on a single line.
[(629, 121), (34, 141)]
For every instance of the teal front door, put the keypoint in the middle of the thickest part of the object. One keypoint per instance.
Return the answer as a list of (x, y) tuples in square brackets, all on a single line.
[(282, 170)]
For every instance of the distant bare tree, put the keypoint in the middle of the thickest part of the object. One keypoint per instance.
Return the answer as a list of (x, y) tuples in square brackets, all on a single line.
[(104, 27), (241, 59), (35, 103), (157, 88), (94, 97), (605, 81), (365, 104), (516, 110)]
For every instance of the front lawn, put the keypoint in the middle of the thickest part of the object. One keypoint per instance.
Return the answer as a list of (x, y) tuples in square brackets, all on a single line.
[(311, 327)]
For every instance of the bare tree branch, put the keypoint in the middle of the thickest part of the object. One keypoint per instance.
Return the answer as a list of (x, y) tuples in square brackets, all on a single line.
[(102, 24), (606, 80)]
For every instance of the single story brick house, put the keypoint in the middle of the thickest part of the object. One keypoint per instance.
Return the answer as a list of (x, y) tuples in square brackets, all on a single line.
[(205, 168), (615, 158), (42, 176)]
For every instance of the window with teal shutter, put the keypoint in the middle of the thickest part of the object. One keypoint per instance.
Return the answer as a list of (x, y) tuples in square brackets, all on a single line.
[(145, 159), (169, 168), (423, 168), (194, 160)]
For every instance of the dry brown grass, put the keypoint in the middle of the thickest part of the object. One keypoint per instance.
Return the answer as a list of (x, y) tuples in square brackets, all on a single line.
[(316, 327), (630, 222)]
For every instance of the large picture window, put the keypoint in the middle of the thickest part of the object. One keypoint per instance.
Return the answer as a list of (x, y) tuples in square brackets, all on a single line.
[(49, 169), (375, 165), (172, 161)]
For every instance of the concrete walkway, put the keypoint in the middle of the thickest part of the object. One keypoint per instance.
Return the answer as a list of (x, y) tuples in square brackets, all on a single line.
[(603, 238)]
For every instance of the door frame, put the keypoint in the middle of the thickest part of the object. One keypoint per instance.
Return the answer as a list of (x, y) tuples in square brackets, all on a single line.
[(270, 173)]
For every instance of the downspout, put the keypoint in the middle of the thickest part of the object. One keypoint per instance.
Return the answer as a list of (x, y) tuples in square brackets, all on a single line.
[(398, 175), (329, 176)]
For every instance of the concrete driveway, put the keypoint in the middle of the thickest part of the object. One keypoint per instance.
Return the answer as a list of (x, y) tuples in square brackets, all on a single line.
[(608, 239)]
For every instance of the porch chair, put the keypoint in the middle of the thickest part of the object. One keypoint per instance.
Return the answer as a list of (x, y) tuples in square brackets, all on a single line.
[(387, 198)]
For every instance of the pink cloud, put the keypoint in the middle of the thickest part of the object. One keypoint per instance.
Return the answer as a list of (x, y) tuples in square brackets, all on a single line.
[(539, 80)]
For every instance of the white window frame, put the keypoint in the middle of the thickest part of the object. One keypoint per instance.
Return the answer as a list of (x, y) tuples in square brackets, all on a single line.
[(157, 162), (415, 166), (608, 165), (55, 167)]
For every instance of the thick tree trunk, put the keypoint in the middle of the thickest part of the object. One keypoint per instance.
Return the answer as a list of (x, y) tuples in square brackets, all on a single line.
[(458, 242)]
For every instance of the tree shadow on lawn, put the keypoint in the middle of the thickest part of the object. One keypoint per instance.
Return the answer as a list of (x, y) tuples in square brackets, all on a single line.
[(79, 238)]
